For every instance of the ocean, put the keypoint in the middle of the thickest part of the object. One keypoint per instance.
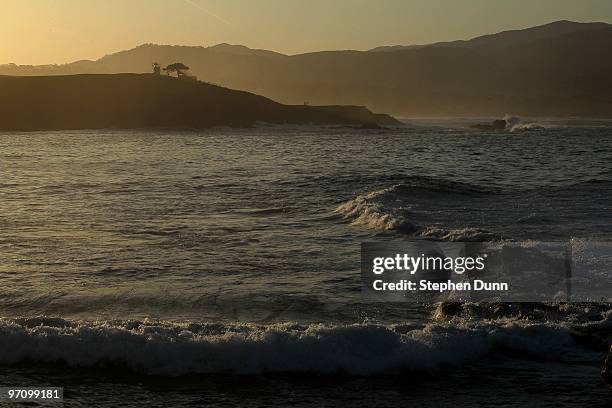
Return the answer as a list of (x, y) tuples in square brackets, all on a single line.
[(221, 267)]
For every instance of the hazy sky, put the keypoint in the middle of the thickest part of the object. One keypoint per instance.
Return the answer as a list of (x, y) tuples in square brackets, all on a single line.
[(56, 31)]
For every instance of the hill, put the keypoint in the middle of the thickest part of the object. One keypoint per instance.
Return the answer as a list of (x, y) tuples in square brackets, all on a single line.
[(557, 69), (150, 101), (510, 37)]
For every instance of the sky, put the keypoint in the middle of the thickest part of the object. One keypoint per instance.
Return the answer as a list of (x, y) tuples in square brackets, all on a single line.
[(60, 31)]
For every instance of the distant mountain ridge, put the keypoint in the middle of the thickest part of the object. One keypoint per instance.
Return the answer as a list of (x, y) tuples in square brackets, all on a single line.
[(510, 37), (557, 69), (243, 50)]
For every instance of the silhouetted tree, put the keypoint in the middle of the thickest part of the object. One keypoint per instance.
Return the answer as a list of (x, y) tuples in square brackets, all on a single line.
[(156, 68), (177, 67)]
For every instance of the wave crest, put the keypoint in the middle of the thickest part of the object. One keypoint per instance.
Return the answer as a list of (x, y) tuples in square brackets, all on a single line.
[(163, 348), (389, 209), (370, 210), (516, 124)]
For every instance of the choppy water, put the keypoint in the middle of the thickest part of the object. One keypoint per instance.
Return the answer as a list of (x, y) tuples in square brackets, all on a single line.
[(241, 248)]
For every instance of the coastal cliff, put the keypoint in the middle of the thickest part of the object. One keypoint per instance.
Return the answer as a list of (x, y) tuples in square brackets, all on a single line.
[(128, 101)]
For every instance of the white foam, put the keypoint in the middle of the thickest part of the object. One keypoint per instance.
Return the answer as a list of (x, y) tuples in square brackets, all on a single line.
[(177, 349), (388, 209), (515, 123), (459, 234), (372, 210)]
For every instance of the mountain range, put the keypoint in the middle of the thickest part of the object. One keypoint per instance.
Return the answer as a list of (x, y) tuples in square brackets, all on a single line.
[(558, 69)]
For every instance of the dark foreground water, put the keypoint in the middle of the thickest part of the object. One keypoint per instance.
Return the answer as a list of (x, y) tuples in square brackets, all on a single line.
[(222, 267)]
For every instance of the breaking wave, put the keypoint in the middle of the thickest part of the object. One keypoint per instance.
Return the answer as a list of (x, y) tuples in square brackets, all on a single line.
[(390, 209), (163, 348), (516, 124)]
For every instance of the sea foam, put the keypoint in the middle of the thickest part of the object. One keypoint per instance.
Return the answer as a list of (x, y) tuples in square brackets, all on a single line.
[(164, 348), (390, 209)]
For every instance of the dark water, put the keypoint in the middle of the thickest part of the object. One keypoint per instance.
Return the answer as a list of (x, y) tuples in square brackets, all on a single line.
[(222, 267)]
